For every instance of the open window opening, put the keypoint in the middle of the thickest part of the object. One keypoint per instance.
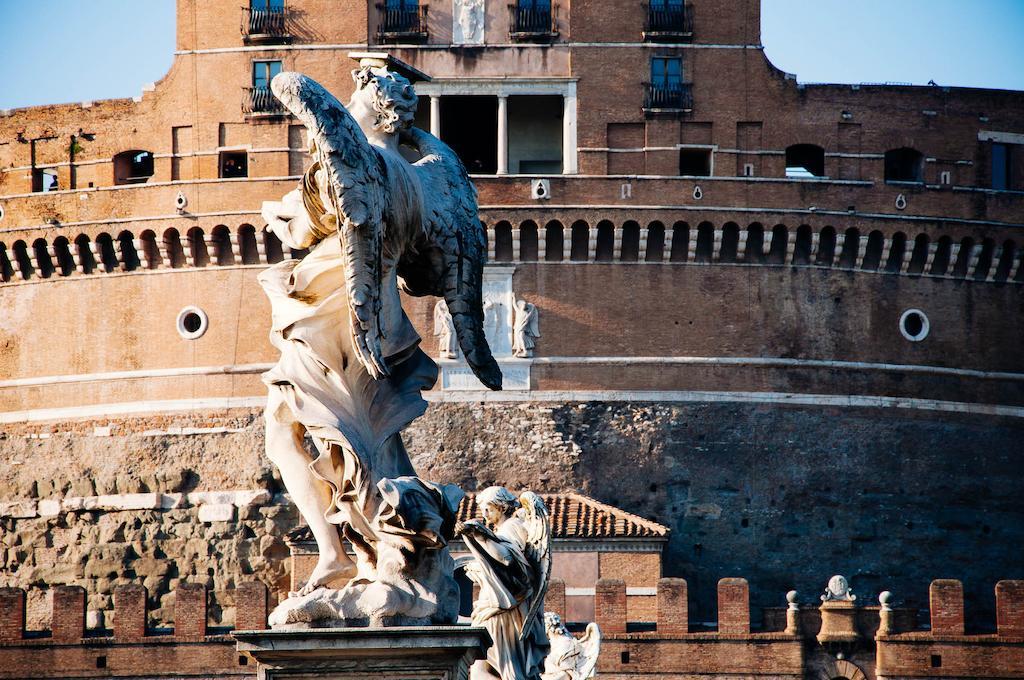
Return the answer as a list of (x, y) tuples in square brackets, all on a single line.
[(904, 165), (45, 180), (695, 162), (234, 164), (469, 125), (133, 167), (1002, 166), (535, 135), (805, 161)]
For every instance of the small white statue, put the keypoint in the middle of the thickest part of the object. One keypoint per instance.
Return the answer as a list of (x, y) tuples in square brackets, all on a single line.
[(570, 659), (525, 329), (444, 329), (511, 549), (468, 27)]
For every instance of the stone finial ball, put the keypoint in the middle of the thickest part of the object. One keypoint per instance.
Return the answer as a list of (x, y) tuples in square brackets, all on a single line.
[(791, 597), (884, 598)]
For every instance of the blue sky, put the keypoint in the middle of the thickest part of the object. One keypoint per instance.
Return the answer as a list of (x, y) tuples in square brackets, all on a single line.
[(73, 50)]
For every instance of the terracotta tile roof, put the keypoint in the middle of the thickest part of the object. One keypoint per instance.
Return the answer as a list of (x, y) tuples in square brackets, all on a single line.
[(573, 516)]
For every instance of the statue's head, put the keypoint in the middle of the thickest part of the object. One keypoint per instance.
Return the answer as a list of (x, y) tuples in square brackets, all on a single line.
[(497, 504), (553, 624), (388, 95)]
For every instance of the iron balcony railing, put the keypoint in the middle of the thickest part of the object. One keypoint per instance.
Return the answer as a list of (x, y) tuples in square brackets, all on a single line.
[(261, 101), (533, 22), (665, 21), (265, 25), (402, 23), (668, 97)]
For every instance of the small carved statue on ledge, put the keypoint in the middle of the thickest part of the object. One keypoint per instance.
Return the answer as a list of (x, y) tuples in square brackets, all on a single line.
[(525, 329), (570, 659), (444, 329), (511, 549)]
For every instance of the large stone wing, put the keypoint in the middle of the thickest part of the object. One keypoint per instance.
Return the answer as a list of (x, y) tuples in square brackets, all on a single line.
[(358, 195), (538, 552), (451, 262)]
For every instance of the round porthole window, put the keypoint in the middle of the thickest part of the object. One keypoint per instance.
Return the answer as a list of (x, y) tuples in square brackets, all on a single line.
[(914, 325), (192, 323), (1, 212)]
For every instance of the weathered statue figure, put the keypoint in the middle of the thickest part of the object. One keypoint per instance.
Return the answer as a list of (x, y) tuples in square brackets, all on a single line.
[(525, 329), (570, 659), (351, 370), (444, 329), (511, 563)]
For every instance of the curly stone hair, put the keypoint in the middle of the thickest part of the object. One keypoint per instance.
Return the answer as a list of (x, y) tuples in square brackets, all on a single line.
[(500, 497), (392, 97)]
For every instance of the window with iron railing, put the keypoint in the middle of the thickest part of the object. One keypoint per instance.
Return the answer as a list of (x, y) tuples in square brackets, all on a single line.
[(668, 20), (401, 20), (667, 91), (259, 99), (265, 21), (532, 20)]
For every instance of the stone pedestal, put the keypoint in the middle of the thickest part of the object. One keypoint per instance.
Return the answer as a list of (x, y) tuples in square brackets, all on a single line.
[(420, 652)]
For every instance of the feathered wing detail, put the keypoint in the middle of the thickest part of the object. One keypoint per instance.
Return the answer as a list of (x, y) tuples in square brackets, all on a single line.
[(591, 644), (538, 552), (358, 188), (451, 262)]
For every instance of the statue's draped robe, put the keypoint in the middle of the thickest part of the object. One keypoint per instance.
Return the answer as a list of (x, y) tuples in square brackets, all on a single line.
[(353, 419), (502, 571)]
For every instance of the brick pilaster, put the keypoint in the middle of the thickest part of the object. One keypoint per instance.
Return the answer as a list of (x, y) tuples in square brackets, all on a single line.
[(733, 606), (251, 606), (68, 622), (190, 611), (554, 601), (946, 600), (130, 612), (12, 614), (1010, 608), (610, 605), (673, 611)]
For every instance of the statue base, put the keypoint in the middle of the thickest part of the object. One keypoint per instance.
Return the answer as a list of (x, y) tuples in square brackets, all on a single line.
[(421, 652)]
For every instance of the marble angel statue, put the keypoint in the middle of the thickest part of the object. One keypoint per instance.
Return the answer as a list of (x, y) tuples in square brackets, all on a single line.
[(351, 369), (525, 329), (569, 658), (511, 563), (444, 329)]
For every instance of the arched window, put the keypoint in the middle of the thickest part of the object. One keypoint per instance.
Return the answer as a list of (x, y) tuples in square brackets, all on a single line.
[(129, 256), (42, 256), (988, 246), (579, 246), (222, 246), (197, 247), (655, 242), (272, 247), (943, 251), (730, 242), (107, 254), (528, 241), (6, 270), (802, 247), (605, 241), (554, 241), (904, 165), (755, 244), (826, 247), (175, 251), (919, 256), (1006, 257), (503, 242), (22, 259), (680, 242), (705, 242), (247, 244), (150, 250), (65, 261), (85, 257), (133, 167), (805, 161), (963, 257), (630, 242), (873, 253), (780, 245), (851, 248), (897, 247)]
